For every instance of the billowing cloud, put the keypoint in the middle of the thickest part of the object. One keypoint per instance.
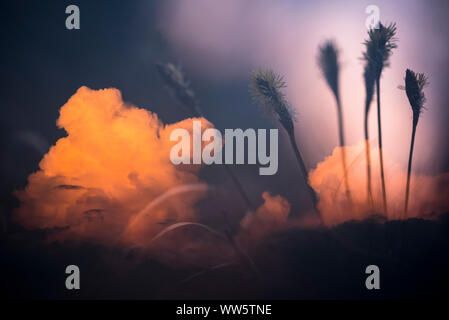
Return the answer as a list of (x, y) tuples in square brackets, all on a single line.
[(112, 166), (110, 181), (428, 194), (271, 216)]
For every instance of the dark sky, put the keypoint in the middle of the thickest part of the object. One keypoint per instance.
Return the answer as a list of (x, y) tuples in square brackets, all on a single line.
[(44, 64), (117, 46)]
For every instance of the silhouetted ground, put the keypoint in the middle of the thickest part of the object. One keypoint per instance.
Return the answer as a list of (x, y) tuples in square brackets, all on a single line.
[(299, 264)]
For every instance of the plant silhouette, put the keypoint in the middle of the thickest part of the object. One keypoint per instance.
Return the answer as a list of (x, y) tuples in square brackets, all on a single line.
[(369, 80), (266, 89), (414, 88), (178, 84), (329, 65), (381, 41)]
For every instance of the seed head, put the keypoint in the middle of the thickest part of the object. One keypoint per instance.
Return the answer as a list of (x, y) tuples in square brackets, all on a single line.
[(414, 87), (266, 89), (176, 81), (379, 46), (329, 65), (369, 78)]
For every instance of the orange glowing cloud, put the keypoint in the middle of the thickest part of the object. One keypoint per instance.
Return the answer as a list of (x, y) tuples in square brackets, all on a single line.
[(271, 216), (428, 194), (113, 163)]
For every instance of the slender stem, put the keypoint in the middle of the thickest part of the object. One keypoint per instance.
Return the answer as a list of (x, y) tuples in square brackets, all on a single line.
[(239, 188), (368, 163), (343, 150), (305, 173), (242, 255), (409, 170), (379, 128), (197, 112)]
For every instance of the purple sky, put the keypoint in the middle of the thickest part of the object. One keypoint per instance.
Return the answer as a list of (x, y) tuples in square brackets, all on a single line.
[(224, 40)]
